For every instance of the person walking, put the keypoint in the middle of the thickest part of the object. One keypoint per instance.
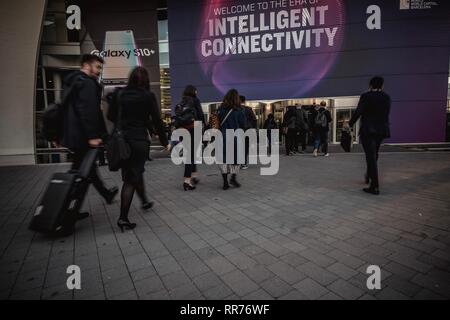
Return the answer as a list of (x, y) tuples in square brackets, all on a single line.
[(189, 110), (269, 125), (83, 123), (289, 128), (250, 123), (373, 109), (137, 104), (321, 128), (230, 117), (302, 128)]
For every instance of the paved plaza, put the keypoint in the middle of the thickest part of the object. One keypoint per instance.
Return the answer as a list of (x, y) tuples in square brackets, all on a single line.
[(307, 233)]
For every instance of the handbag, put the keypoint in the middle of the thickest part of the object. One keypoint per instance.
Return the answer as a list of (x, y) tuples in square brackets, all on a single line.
[(214, 122), (117, 148)]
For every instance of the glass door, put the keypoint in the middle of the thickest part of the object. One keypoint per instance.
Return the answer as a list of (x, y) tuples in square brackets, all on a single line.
[(342, 115)]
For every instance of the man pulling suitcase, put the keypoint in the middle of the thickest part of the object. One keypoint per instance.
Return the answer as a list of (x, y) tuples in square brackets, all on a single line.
[(83, 128), (58, 209)]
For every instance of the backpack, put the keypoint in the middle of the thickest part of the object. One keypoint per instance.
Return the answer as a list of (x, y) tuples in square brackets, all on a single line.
[(321, 120), (53, 116), (185, 114)]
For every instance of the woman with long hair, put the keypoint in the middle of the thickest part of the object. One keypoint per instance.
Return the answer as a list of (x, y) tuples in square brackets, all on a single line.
[(190, 104), (138, 106), (231, 116)]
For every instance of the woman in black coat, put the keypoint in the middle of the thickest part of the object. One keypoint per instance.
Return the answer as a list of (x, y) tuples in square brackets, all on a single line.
[(231, 117), (190, 101), (139, 109)]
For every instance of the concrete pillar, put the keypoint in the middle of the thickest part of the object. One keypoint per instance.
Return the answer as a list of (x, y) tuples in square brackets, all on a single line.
[(20, 29)]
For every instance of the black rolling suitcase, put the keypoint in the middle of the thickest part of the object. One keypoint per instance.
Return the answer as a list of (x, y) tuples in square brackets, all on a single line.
[(57, 211)]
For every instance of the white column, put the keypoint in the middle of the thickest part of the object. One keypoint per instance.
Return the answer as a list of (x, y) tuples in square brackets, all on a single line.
[(20, 29)]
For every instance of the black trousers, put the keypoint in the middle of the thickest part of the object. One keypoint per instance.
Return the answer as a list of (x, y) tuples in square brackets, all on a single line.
[(190, 167), (101, 156), (78, 157), (371, 145), (291, 137), (301, 139)]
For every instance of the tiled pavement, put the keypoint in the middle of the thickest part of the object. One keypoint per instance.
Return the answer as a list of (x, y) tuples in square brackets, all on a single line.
[(306, 233)]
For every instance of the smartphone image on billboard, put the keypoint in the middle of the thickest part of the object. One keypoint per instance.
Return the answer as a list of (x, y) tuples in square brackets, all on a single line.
[(119, 54)]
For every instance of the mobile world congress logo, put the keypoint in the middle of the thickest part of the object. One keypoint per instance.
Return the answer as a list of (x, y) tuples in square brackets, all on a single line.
[(417, 4)]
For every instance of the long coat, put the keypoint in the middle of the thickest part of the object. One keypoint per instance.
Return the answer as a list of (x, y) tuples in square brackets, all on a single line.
[(373, 108), (236, 120), (140, 113), (83, 118)]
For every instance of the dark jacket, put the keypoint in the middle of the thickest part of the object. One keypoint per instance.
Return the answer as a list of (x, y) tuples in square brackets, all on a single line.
[(270, 124), (302, 120), (250, 118), (140, 111), (83, 118), (373, 108), (199, 111), (236, 120), (290, 117), (329, 119), (196, 105)]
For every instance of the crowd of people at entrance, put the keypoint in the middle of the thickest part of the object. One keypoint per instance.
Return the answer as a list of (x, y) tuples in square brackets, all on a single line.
[(135, 112), (298, 126)]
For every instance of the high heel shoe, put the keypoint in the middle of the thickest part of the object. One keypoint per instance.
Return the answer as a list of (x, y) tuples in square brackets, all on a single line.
[(147, 205), (195, 180), (123, 224), (188, 186)]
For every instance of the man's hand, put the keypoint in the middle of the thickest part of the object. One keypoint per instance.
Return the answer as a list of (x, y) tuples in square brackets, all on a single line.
[(55, 144), (95, 142), (168, 147), (346, 126)]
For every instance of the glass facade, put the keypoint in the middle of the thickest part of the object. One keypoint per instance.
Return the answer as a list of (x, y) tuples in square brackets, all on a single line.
[(55, 38), (164, 64)]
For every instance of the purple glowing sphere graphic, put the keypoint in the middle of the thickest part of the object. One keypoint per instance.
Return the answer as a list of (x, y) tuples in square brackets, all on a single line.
[(252, 46)]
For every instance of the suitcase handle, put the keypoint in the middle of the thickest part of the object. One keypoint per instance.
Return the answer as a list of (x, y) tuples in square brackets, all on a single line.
[(88, 163)]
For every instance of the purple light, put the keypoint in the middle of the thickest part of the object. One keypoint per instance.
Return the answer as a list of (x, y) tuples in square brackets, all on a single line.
[(309, 65)]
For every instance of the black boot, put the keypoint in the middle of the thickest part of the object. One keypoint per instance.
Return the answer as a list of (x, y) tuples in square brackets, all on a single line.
[(225, 181), (82, 215), (233, 181), (372, 190)]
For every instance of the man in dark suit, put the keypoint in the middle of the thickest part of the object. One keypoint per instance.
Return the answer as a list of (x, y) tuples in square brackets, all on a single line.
[(84, 126), (373, 109)]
